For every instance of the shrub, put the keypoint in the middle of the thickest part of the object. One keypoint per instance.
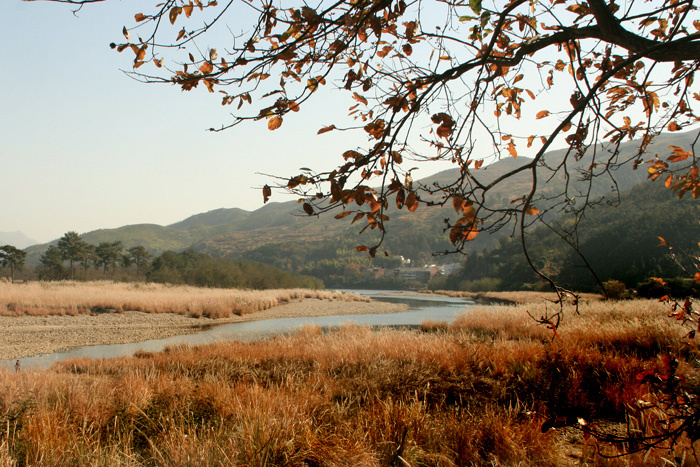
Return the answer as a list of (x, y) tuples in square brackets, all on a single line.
[(615, 290)]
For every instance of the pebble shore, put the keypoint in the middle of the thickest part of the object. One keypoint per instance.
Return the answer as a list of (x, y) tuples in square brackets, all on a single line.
[(26, 336)]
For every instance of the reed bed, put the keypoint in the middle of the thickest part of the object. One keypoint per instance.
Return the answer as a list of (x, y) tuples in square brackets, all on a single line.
[(477, 392), (71, 298), (513, 296)]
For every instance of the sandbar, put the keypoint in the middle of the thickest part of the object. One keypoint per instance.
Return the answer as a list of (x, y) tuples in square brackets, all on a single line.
[(28, 336)]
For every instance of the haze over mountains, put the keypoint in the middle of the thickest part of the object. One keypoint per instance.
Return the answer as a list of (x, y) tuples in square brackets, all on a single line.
[(236, 233), (16, 239)]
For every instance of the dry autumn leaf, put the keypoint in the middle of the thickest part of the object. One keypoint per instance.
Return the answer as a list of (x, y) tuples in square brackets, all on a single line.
[(326, 129), (274, 123), (532, 211)]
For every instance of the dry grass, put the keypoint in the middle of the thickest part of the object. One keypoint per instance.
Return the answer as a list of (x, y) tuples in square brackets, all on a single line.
[(474, 393), (71, 298), (513, 297)]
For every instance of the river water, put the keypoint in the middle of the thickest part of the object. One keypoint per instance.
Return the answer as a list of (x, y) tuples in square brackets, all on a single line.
[(421, 309)]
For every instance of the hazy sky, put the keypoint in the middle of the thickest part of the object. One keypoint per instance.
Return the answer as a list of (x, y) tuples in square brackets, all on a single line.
[(83, 146)]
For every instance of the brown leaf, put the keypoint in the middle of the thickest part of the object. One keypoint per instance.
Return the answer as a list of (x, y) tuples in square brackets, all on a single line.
[(326, 129), (140, 17), (267, 192), (274, 123), (141, 54), (343, 214), (673, 126), (359, 98), (308, 209), (174, 12), (400, 198), (206, 68), (542, 114), (188, 9), (412, 201)]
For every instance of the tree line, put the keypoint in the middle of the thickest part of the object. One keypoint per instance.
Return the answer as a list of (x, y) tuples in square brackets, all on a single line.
[(73, 258), (81, 256)]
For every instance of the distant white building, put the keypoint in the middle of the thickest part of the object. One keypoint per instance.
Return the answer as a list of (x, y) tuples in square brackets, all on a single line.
[(451, 268), (416, 274)]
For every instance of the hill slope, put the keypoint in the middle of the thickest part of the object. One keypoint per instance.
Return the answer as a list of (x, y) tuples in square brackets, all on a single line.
[(238, 233)]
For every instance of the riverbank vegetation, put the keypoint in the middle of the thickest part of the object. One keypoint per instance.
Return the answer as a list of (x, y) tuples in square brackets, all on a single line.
[(491, 389), (70, 297)]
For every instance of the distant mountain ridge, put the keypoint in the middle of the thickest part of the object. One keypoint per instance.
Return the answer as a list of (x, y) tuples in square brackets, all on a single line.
[(16, 239), (233, 231)]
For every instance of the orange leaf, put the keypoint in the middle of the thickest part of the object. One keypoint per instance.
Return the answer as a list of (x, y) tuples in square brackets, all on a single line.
[(326, 129), (669, 181), (511, 149), (343, 214), (673, 126), (542, 114), (140, 17), (206, 68), (274, 123), (679, 154), (696, 278), (188, 9), (532, 211)]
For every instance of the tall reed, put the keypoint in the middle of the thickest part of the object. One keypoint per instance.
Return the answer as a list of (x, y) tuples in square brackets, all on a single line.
[(471, 394), (67, 297)]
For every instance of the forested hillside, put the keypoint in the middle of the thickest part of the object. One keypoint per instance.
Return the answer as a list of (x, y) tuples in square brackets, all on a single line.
[(620, 243), (281, 234)]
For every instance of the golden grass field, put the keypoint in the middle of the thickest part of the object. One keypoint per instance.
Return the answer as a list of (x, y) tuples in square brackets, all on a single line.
[(476, 392), (71, 298)]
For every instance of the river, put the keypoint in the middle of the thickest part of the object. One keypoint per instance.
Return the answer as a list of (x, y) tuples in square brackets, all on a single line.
[(421, 308)]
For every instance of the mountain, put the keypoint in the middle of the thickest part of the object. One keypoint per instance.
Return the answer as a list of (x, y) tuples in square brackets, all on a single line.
[(618, 242), (16, 239), (239, 233)]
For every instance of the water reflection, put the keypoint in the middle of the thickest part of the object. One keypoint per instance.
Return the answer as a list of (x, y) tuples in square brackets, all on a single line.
[(421, 309)]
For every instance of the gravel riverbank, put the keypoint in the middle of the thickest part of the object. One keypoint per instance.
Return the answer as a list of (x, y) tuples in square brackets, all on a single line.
[(26, 336)]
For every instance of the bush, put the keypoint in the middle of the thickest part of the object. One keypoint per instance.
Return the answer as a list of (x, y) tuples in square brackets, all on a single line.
[(674, 287), (615, 290)]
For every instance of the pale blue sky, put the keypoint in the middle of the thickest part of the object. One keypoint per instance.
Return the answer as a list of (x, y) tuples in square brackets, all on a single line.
[(83, 146)]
